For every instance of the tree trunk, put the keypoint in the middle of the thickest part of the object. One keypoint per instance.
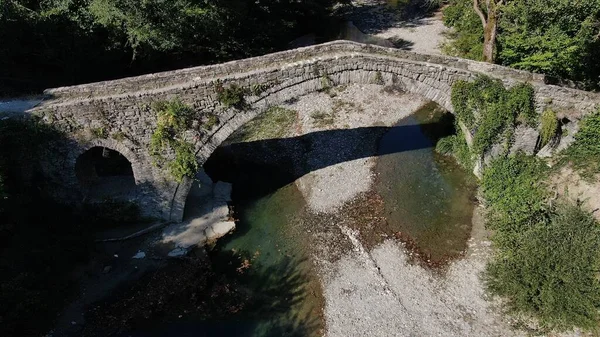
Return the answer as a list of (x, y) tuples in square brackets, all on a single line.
[(489, 38), (489, 21)]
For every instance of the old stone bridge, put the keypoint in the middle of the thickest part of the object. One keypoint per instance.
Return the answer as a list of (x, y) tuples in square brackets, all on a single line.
[(117, 114)]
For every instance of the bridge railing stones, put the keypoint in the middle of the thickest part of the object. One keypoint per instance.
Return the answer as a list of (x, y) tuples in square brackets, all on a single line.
[(123, 107)]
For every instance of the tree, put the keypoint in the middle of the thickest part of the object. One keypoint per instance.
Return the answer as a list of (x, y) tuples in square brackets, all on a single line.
[(489, 21)]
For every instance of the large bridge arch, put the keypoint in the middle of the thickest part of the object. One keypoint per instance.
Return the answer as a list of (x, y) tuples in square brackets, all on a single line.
[(124, 107)]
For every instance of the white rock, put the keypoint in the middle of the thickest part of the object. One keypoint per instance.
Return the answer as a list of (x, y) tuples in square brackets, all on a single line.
[(139, 255), (223, 228), (177, 252)]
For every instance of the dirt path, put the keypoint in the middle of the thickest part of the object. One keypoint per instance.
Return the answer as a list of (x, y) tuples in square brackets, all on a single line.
[(420, 32)]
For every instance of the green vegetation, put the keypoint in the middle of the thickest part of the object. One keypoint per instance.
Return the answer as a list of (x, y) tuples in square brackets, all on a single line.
[(118, 136), (457, 146), (548, 126), (90, 40), (99, 133), (322, 119), (173, 119), (490, 111), (274, 123), (378, 79), (547, 252), (554, 37), (232, 96), (584, 154), (547, 256), (326, 83)]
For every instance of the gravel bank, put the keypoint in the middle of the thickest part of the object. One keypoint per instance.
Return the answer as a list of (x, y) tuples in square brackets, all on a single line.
[(364, 112), (378, 290)]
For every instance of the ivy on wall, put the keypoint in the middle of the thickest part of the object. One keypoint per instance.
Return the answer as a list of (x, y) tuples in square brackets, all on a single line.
[(490, 111), (174, 118)]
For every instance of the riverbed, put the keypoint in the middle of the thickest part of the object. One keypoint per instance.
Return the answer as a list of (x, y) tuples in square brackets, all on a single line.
[(347, 224)]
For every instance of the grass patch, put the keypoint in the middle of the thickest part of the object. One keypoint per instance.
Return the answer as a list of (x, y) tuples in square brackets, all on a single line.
[(322, 119), (274, 123)]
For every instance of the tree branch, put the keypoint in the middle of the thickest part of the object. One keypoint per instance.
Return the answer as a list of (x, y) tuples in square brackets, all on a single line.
[(479, 13)]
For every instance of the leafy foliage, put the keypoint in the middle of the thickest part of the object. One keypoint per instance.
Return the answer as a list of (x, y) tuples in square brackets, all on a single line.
[(584, 154), (489, 110), (548, 126), (79, 41), (232, 96), (547, 257), (174, 118), (467, 34), (457, 146), (554, 37)]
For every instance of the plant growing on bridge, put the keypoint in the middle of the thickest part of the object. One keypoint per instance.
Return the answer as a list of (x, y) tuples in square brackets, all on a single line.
[(232, 96), (491, 111), (457, 146), (173, 119), (548, 127), (584, 154)]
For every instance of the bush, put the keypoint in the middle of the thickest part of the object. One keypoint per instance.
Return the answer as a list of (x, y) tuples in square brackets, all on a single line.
[(547, 257), (457, 146), (550, 272), (490, 110), (174, 118), (548, 127), (232, 96), (584, 154)]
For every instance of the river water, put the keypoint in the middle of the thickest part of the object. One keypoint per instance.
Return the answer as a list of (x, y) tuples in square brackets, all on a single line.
[(427, 198)]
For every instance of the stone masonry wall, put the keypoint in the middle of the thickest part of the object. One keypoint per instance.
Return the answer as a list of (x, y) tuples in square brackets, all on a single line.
[(118, 115)]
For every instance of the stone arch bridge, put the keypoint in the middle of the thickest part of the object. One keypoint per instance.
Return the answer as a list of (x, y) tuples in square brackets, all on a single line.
[(117, 115)]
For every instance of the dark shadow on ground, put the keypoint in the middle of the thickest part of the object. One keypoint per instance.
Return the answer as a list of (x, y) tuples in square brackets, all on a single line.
[(208, 295), (261, 167)]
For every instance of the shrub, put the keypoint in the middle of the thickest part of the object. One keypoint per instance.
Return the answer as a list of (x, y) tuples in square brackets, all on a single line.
[(547, 257), (550, 272), (174, 118), (514, 191), (548, 126), (232, 96), (585, 151), (457, 146), (486, 107)]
